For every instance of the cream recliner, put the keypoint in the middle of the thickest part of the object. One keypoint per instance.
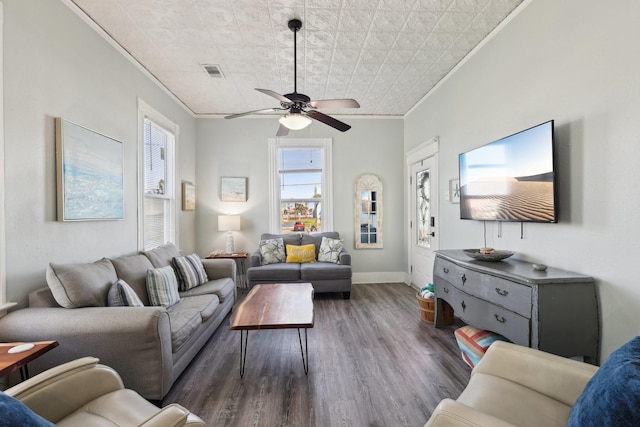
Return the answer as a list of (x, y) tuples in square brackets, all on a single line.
[(514, 385), (85, 393)]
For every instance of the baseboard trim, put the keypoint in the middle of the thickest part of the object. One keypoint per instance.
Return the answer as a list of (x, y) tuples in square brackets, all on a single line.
[(379, 277)]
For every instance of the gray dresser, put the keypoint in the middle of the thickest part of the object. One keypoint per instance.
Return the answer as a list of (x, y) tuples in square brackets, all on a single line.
[(553, 310)]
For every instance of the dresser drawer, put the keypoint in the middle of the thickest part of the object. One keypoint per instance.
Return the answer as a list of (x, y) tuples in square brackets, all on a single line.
[(505, 293), (485, 315)]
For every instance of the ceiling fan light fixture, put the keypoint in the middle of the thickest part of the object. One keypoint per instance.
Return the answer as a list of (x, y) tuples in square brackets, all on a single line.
[(295, 121)]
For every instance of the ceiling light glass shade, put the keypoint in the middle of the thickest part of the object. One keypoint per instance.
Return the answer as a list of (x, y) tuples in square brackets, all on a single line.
[(295, 121)]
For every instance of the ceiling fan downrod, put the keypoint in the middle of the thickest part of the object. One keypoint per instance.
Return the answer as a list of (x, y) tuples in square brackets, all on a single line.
[(295, 25)]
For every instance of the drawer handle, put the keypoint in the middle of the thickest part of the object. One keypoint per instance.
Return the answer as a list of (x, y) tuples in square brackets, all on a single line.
[(464, 279), (500, 319), (446, 270), (501, 292), (463, 305), (446, 290)]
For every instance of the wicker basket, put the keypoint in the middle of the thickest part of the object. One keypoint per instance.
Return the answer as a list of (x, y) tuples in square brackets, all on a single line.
[(428, 311), (427, 308)]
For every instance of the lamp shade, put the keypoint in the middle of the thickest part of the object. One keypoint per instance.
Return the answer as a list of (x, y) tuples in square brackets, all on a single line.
[(295, 121), (228, 222)]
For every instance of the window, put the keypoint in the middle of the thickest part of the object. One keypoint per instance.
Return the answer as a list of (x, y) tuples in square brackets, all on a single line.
[(300, 178), (156, 222)]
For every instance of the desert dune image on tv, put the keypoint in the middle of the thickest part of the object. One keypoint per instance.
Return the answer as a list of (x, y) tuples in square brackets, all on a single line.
[(511, 179)]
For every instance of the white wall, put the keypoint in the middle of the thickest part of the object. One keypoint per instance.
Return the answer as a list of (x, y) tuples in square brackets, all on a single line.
[(574, 61), (55, 65), (239, 148)]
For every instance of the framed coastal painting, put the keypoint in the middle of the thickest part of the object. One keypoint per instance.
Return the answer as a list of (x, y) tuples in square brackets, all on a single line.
[(233, 189), (89, 174), (188, 196)]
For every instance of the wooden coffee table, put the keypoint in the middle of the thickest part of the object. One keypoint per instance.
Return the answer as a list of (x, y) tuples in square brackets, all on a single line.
[(12, 362), (275, 306)]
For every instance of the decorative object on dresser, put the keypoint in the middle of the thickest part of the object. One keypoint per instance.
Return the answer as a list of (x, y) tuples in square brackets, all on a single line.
[(553, 310)]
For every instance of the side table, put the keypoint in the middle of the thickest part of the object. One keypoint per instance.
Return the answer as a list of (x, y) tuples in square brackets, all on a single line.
[(241, 260), (12, 362)]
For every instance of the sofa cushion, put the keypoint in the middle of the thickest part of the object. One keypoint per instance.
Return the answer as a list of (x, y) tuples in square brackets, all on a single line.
[(272, 251), (474, 342), (186, 316), (190, 271), (324, 271), (121, 295), (288, 239), (612, 395), (162, 286), (330, 250), (81, 285), (223, 288), (301, 254), (162, 255), (274, 273), (16, 413), (133, 269), (316, 238)]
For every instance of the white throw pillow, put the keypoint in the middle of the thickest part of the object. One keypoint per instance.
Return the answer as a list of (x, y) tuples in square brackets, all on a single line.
[(330, 250), (272, 251)]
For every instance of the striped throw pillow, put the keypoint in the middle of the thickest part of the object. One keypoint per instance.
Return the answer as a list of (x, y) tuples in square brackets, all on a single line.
[(123, 295), (474, 342), (190, 271), (162, 286)]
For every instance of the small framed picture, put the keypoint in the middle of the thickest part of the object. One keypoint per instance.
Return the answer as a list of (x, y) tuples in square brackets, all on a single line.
[(233, 189), (188, 196), (454, 190)]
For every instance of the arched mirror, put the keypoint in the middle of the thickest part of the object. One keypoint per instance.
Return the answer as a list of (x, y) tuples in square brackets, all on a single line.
[(368, 211)]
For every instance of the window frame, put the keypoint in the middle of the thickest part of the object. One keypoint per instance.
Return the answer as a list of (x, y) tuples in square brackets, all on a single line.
[(145, 111), (324, 144)]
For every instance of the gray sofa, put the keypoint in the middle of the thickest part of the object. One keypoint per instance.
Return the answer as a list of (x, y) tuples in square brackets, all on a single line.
[(148, 346), (324, 276)]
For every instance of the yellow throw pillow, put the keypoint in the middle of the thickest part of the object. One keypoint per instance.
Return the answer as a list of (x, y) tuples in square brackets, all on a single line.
[(306, 253)]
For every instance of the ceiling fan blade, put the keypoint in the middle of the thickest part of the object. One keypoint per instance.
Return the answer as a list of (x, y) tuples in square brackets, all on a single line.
[(282, 131), (334, 103), (264, 110), (276, 95), (328, 120)]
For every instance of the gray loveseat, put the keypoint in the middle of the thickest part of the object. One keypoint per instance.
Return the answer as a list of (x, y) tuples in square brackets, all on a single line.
[(148, 346), (324, 276)]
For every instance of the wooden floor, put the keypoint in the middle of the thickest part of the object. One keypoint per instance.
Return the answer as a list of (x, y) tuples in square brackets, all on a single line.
[(373, 362)]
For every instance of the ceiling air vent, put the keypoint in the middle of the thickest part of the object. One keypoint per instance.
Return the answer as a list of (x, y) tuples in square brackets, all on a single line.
[(213, 70)]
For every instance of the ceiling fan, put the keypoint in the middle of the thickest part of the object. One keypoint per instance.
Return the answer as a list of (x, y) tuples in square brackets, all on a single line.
[(299, 106)]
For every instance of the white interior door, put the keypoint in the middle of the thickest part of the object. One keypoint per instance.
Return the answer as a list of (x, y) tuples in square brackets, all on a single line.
[(423, 192)]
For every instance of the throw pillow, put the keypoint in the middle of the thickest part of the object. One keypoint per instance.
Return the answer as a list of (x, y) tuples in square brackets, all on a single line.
[(306, 253), (330, 250), (81, 285), (122, 295), (16, 413), (162, 286), (190, 271), (474, 342), (272, 251), (612, 396)]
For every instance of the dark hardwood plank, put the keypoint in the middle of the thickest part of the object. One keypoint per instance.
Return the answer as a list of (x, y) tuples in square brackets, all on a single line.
[(372, 362)]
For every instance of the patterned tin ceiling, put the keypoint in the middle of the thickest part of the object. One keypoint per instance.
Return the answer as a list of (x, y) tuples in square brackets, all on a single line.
[(387, 54)]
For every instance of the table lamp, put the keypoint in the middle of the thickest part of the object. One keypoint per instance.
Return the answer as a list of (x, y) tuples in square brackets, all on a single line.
[(229, 223)]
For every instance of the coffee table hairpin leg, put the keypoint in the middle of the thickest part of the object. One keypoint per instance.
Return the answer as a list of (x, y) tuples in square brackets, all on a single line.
[(305, 364), (243, 351)]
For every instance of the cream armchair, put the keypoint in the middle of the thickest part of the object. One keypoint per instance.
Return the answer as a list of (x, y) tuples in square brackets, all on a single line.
[(516, 386), (85, 393)]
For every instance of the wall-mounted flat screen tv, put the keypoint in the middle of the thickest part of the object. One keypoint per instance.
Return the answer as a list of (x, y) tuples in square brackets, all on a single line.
[(511, 179)]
